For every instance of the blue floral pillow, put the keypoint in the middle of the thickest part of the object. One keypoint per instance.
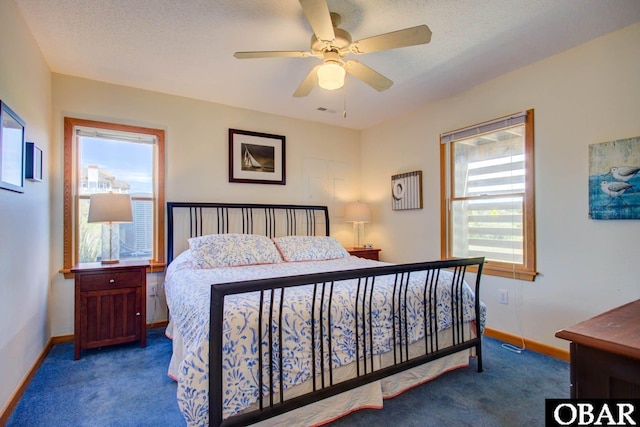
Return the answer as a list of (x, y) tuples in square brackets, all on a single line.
[(309, 248), (229, 250)]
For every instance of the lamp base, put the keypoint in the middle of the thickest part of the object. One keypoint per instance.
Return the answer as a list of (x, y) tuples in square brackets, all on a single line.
[(110, 244), (358, 232)]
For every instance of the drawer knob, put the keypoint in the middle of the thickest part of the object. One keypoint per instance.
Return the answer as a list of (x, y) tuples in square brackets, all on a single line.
[(112, 281), (138, 314)]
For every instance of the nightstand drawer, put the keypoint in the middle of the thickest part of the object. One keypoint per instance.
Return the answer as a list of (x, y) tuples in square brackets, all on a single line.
[(110, 280)]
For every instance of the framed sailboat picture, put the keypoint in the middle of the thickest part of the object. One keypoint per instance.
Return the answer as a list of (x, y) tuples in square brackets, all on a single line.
[(256, 158)]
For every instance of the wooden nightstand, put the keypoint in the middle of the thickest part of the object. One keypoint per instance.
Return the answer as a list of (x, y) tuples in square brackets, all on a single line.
[(368, 253), (110, 304)]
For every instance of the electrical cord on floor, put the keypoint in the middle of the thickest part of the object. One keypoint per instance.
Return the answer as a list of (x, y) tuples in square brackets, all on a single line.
[(512, 347), (515, 218)]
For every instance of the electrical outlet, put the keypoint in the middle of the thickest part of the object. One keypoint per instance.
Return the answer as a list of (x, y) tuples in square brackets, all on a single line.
[(503, 296), (154, 291)]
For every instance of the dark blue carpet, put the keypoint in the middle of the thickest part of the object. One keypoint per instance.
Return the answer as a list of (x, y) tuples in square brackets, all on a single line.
[(128, 386), (122, 385)]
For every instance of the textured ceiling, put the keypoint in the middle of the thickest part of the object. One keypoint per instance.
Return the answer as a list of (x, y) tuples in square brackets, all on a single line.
[(186, 47)]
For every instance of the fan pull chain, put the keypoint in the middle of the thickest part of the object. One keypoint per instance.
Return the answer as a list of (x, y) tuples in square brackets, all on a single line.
[(344, 108)]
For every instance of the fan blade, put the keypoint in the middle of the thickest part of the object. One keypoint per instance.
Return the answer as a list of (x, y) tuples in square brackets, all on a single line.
[(308, 83), (368, 75), (317, 13), (272, 54), (401, 38)]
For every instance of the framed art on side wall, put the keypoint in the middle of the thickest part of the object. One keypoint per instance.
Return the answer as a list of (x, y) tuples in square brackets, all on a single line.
[(614, 179), (11, 150), (406, 191), (33, 162), (257, 158)]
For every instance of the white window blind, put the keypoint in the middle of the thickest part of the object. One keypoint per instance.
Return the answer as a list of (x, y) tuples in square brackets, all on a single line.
[(486, 127), (114, 135)]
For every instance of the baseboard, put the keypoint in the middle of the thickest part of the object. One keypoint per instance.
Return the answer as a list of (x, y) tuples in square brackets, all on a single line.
[(154, 325), (536, 346), (22, 387), (61, 339)]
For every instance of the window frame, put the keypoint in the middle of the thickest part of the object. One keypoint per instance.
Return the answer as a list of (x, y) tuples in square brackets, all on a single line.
[(526, 271), (71, 196)]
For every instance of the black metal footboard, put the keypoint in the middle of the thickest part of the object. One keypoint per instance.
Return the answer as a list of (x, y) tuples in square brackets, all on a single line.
[(323, 287)]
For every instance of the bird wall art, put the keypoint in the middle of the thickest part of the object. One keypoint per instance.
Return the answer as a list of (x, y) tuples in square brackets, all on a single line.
[(614, 179)]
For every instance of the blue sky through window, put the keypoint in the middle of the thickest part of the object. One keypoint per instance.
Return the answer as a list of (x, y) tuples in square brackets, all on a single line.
[(130, 162)]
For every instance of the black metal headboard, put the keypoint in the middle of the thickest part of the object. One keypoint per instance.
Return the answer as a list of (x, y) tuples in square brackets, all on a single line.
[(192, 219)]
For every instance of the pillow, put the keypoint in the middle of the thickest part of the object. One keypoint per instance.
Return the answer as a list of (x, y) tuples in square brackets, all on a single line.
[(309, 248), (228, 250)]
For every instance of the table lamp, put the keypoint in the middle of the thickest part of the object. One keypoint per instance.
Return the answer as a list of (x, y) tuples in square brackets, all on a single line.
[(358, 213), (110, 209)]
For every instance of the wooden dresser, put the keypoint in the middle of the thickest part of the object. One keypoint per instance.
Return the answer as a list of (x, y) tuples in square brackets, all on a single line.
[(110, 304), (605, 354), (369, 253)]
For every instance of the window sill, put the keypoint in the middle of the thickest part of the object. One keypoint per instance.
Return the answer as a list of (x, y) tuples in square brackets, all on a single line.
[(510, 273)]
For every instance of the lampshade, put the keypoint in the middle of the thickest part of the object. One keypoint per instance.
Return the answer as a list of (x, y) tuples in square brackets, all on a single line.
[(357, 212), (110, 207), (331, 75)]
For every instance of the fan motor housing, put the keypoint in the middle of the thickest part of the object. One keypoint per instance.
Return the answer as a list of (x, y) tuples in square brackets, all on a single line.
[(339, 44)]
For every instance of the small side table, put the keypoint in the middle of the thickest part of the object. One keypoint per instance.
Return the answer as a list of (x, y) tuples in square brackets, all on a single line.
[(368, 253), (110, 304)]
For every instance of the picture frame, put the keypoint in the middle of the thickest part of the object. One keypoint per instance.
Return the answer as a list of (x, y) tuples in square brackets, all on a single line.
[(406, 191), (33, 162), (12, 129), (614, 175), (256, 158)]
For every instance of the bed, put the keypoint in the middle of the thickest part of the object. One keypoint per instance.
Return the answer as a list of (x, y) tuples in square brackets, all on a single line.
[(273, 322)]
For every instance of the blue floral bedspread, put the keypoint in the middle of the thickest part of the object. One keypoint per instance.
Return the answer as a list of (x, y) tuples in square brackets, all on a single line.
[(188, 296)]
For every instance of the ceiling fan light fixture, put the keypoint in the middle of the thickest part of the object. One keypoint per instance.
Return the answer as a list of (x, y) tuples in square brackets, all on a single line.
[(333, 44), (331, 76)]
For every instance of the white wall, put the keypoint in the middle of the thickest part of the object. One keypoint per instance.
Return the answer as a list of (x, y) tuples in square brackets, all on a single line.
[(25, 86), (197, 161), (585, 95)]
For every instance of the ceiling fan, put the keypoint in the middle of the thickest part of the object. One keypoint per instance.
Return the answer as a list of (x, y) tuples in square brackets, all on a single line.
[(332, 44)]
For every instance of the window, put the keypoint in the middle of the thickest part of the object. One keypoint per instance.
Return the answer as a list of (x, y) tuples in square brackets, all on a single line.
[(106, 157), (487, 203)]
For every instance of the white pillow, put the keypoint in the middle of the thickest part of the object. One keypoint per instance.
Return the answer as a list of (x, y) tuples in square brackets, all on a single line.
[(309, 248), (228, 250)]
